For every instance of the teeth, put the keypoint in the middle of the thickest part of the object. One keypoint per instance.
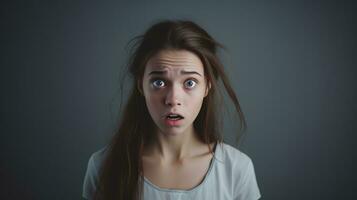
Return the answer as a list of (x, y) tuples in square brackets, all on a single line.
[(175, 117)]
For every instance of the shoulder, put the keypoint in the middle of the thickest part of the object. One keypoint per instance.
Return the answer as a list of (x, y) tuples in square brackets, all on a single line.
[(233, 162), (98, 156), (96, 159), (92, 172), (239, 170), (231, 156)]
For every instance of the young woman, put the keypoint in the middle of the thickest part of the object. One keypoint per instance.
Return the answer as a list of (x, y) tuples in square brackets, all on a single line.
[(169, 142)]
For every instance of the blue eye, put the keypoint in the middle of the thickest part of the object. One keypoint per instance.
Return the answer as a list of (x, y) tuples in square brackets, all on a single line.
[(190, 83), (160, 83)]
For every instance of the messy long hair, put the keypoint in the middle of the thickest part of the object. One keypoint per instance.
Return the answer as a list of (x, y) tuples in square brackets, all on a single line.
[(121, 172)]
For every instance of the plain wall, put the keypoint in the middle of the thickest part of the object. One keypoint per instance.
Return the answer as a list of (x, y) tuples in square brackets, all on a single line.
[(292, 65)]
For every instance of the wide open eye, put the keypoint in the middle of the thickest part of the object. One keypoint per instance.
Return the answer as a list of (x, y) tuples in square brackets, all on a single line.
[(158, 83), (190, 83)]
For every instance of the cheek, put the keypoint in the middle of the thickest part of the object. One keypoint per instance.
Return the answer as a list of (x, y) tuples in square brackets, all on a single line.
[(195, 103)]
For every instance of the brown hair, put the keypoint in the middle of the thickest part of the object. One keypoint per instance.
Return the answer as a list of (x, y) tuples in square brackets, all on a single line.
[(121, 176)]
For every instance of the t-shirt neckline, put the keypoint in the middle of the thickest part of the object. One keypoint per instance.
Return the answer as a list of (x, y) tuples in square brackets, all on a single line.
[(212, 162)]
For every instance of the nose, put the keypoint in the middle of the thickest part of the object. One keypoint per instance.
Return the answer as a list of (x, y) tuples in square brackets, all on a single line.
[(173, 97)]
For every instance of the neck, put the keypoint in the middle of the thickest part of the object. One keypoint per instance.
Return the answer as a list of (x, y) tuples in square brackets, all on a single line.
[(173, 148)]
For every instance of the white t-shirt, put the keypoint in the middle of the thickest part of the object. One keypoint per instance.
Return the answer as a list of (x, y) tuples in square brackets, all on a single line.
[(230, 176)]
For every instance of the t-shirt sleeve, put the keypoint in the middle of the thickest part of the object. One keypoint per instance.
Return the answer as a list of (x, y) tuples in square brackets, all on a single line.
[(90, 180), (247, 189)]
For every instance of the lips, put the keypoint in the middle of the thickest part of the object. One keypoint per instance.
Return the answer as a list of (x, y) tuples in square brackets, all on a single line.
[(173, 119), (173, 115), (173, 122)]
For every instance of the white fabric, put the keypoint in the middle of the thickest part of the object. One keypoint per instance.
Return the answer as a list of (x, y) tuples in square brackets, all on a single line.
[(230, 176)]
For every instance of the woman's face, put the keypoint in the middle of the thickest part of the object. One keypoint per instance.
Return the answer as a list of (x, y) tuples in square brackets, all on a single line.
[(174, 82)]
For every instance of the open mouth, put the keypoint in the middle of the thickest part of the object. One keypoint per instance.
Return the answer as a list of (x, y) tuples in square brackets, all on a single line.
[(174, 117), (174, 120)]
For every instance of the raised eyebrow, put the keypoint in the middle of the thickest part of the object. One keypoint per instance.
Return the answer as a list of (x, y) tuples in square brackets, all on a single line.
[(165, 72)]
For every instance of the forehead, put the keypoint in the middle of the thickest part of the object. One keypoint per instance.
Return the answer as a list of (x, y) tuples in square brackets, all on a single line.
[(175, 60)]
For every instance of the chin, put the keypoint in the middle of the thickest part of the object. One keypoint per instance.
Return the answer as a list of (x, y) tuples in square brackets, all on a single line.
[(172, 131)]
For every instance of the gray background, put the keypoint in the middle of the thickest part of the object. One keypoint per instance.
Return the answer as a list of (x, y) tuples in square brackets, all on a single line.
[(292, 64)]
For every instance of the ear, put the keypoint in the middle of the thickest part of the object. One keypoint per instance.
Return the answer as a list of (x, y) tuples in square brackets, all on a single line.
[(208, 88)]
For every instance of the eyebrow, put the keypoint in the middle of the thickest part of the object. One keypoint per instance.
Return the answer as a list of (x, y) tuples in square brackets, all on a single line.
[(165, 72)]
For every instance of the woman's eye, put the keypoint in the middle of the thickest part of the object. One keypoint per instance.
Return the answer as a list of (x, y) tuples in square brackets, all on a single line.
[(158, 83), (190, 83)]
